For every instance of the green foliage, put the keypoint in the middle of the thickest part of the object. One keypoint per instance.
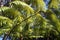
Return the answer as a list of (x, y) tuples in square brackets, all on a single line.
[(5, 24), (54, 4), (25, 9), (23, 20), (9, 12), (53, 18), (39, 5)]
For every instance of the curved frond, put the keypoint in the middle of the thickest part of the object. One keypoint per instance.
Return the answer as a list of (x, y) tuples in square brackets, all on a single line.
[(54, 4), (54, 20), (5, 24), (22, 7), (9, 12), (38, 5)]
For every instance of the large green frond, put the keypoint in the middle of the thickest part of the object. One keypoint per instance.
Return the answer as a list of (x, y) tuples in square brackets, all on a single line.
[(53, 19), (9, 12), (38, 5), (54, 4), (22, 7)]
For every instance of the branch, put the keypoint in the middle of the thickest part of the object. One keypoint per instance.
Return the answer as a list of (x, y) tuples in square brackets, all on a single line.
[(6, 35)]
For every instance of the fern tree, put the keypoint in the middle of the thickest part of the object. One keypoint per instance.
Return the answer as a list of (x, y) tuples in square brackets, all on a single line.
[(30, 19)]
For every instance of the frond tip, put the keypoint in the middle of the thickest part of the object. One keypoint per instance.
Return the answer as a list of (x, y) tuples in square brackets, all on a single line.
[(22, 7), (9, 12)]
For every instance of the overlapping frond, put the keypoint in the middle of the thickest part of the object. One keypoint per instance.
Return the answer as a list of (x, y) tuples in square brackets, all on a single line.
[(9, 12), (21, 19), (38, 5), (54, 4), (53, 18), (22, 7), (5, 24)]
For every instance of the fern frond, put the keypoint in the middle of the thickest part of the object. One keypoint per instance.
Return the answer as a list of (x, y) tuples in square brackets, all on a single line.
[(53, 18), (5, 24), (22, 7), (54, 4), (38, 5), (9, 12)]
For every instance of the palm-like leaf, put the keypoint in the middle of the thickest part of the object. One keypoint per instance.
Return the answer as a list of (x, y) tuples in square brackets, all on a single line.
[(53, 18), (38, 5), (5, 24), (54, 4), (9, 12), (22, 7)]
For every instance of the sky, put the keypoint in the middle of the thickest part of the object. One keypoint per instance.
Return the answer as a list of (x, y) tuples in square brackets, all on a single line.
[(0, 38)]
